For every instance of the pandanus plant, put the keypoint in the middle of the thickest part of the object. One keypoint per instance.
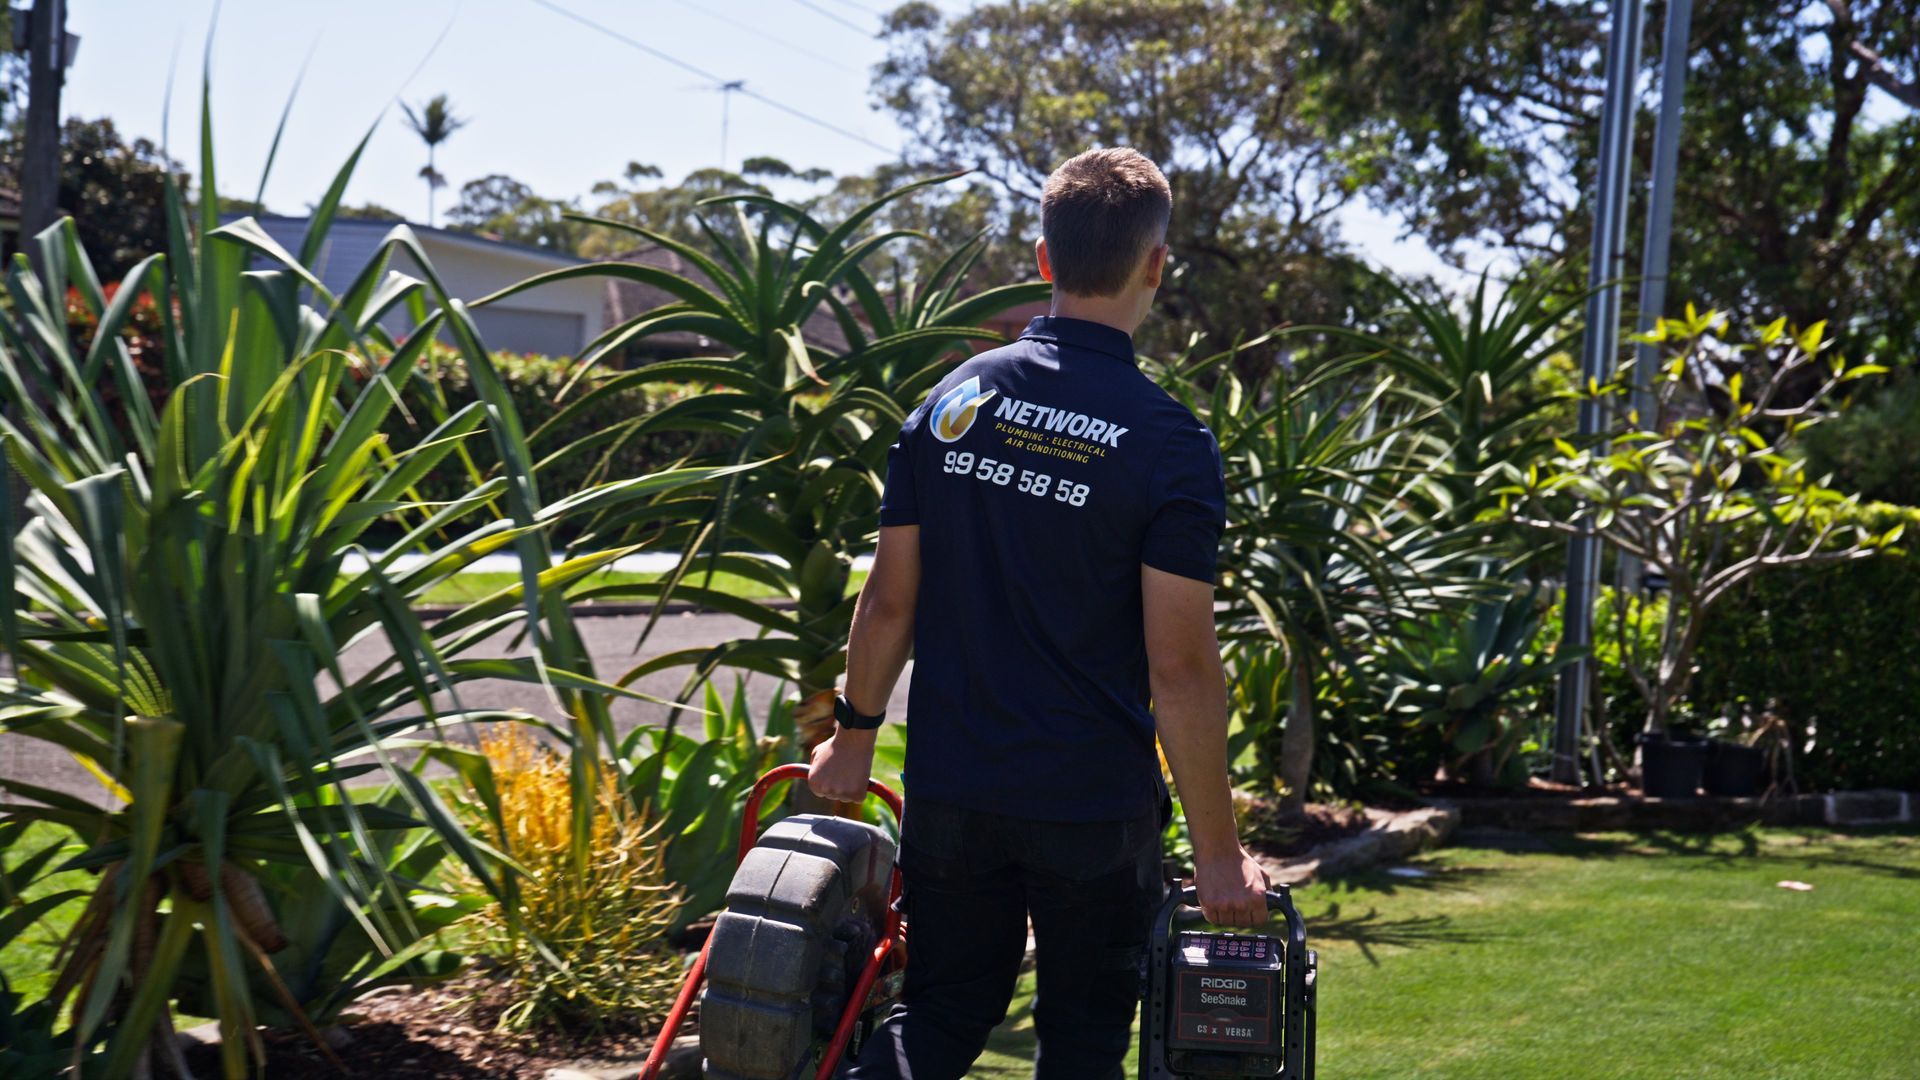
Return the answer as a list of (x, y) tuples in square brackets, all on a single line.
[(184, 586), (820, 419)]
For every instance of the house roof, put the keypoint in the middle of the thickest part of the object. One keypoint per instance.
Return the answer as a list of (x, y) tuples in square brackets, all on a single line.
[(626, 299), (382, 226)]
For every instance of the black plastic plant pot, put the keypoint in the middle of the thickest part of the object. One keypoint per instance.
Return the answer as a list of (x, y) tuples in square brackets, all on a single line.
[(1734, 769), (1671, 767)]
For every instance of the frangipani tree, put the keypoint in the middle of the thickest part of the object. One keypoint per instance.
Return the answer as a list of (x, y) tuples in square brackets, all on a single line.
[(1708, 492)]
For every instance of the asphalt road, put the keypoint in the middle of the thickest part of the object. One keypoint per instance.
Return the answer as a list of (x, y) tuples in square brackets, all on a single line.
[(609, 638)]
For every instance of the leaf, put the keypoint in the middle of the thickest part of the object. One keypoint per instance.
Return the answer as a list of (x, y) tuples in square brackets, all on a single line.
[(1812, 339)]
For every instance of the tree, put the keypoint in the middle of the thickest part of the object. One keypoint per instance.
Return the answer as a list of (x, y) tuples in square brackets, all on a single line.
[(114, 190), (1211, 90), (504, 207), (952, 213), (371, 212), (1709, 491), (435, 124), (668, 209), (1478, 120)]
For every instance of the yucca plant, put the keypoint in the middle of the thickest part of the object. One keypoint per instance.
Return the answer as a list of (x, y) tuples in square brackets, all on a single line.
[(1322, 545), (819, 421), (1464, 370), (181, 586)]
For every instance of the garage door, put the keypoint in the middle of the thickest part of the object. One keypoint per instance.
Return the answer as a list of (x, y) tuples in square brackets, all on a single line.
[(525, 330)]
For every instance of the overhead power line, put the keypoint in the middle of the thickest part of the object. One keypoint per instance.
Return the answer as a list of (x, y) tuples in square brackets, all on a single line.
[(667, 57), (748, 27), (825, 14), (868, 8)]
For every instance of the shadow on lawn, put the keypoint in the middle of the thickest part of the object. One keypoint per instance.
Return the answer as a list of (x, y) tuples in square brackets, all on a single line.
[(1370, 930), (1817, 849)]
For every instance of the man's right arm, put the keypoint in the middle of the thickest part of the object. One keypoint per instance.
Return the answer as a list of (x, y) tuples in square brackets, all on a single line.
[(1190, 710)]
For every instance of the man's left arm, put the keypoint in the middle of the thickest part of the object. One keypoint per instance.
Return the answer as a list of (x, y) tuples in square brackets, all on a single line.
[(877, 651)]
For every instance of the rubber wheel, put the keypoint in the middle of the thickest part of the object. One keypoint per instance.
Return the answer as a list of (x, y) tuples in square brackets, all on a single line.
[(802, 914)]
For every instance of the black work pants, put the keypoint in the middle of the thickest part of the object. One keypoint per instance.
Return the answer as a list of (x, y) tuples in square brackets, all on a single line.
[(972, 881)]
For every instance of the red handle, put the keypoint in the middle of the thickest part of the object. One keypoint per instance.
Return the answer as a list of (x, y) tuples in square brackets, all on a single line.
[(750, 821)]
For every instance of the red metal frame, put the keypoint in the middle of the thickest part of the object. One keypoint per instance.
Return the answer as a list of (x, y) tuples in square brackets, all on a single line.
[(856, 1002)]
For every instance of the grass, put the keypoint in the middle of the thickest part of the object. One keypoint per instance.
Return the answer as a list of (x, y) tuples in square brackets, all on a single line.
[(1617, 955), (465, 588), (1549, 956)]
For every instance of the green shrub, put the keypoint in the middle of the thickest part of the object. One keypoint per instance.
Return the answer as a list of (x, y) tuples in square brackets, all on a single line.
[(1832, 649), (1874, 447), (1612, 695), (539, 387)]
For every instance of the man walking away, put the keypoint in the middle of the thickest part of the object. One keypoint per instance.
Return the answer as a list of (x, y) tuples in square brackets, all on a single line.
[(1048, 538)]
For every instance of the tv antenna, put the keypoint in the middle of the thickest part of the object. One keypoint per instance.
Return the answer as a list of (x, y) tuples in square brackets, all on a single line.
[(726, 91)]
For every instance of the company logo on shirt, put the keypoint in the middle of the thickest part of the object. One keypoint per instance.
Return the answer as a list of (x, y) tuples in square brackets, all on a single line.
[(1047, 418), (953, 414)]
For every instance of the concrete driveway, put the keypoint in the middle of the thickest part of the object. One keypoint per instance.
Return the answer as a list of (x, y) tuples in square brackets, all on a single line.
[(609, 638)]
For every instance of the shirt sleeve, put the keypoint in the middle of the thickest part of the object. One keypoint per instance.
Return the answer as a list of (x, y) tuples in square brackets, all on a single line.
[(1187, 506), (898, 506)]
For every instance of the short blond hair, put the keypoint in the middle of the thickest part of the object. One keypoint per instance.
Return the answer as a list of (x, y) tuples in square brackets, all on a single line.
[(1101, 212)]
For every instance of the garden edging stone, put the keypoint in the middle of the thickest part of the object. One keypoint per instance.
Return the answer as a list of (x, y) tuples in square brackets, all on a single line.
[(683, 1063), (1701, 814), (1391, 836)]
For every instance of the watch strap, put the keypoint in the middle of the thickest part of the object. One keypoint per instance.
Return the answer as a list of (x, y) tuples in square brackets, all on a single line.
[(846, 717)]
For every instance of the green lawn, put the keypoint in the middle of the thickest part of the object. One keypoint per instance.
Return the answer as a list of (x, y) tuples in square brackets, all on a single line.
[(1614, 956), (1555, 956), (465, 588)]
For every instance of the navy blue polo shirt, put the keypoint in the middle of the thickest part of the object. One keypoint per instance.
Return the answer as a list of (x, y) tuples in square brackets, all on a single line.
[(1042, 475)]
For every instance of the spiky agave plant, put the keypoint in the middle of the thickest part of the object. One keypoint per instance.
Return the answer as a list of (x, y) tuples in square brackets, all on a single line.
[(821, 419), (185, 584)]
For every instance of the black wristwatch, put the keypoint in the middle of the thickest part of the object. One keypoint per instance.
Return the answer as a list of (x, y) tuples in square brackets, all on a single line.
[(846, 717)]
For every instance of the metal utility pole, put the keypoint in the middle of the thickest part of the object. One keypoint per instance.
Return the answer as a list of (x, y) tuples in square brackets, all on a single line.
[(1599, 345), (1653, 252), (1666, 158), (46, 71)]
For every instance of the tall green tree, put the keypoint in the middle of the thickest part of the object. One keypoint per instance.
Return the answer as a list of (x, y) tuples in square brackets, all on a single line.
[(435, 123), (638, 198), (1478, 120), (1212, 90), (514, 212), (114, 188)]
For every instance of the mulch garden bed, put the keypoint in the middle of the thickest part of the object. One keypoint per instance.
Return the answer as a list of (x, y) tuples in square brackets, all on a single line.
[(1535, 788), (1321, 824), (426, 1033)]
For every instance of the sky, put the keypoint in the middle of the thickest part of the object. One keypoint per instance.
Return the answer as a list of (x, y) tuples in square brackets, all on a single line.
[(550, 101)]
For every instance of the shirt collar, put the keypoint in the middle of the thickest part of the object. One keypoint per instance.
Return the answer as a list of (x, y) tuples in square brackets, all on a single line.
[(1081, 334)]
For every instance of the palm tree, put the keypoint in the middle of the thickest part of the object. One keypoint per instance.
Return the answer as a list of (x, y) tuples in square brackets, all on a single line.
[(435, 124)]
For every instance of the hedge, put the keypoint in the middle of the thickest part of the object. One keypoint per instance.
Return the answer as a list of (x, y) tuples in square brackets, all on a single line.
[(1835, 651), (535, 383)]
